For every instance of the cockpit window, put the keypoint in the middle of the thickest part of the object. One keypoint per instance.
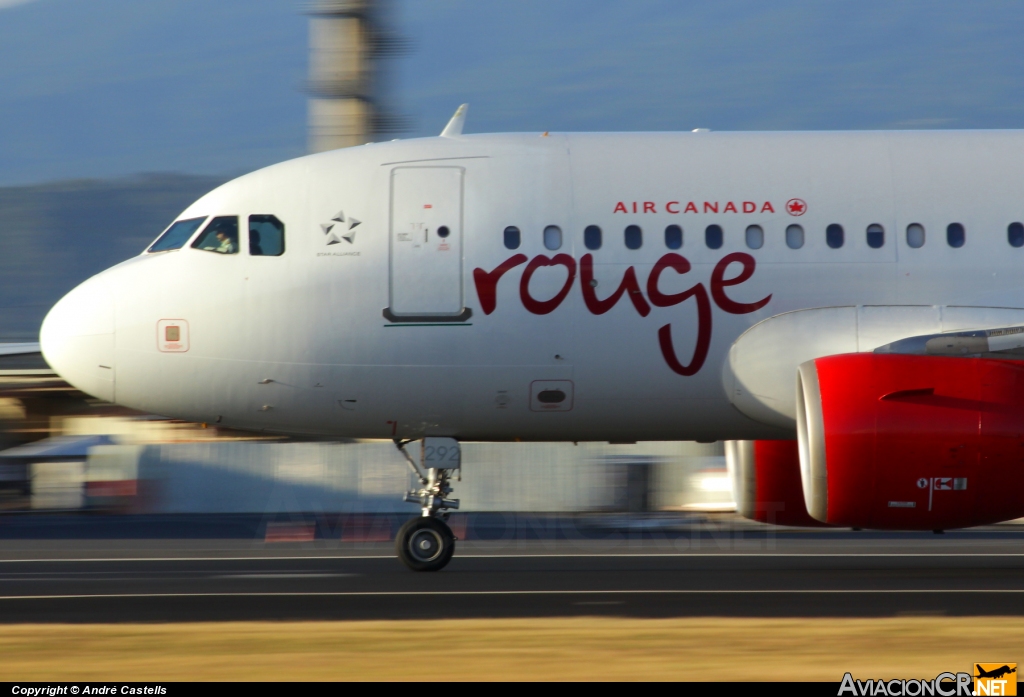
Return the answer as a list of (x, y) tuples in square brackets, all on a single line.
[(220, 236), (266, 236), (176, 235)]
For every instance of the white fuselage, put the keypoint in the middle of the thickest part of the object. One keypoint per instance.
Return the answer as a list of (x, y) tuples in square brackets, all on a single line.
[(385, 329)]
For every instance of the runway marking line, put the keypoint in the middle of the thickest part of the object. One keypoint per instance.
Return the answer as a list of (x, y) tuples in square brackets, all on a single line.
[(528, 556), (897, 591), (285, 575)]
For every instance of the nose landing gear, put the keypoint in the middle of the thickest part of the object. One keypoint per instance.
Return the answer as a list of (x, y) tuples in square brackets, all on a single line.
[(426, 543)]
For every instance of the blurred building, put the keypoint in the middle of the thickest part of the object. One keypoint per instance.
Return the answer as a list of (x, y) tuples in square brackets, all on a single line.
[(63, 450), (349, 43), (372, 476), (132, 463)]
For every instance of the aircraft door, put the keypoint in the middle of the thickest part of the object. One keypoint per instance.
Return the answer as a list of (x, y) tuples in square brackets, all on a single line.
[(426, 245)]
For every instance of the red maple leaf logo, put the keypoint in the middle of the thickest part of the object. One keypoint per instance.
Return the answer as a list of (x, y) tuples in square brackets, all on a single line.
[(796, 206)]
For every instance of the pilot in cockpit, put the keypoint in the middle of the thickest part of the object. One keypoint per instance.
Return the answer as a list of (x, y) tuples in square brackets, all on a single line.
[(225, 246), (221, 236)]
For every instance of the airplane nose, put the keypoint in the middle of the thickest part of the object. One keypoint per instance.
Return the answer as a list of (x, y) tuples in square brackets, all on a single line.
[(77, 338)]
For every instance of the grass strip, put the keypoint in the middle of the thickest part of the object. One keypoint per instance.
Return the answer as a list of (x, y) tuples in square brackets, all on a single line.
[(585, 648)]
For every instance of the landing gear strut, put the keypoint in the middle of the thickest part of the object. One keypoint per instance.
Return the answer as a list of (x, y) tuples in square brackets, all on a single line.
[(426, 543)]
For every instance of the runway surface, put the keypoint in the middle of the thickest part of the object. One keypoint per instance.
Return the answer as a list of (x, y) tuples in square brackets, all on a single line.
[(720, 572)]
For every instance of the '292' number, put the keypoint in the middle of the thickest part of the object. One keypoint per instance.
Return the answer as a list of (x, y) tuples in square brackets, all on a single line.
[(442, 455)]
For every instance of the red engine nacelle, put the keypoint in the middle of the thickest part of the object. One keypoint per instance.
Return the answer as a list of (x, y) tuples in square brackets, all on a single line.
[(766, 481), (908, 442)]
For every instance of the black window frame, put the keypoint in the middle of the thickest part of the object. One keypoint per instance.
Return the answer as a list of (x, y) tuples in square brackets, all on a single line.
[(875, 238), (803, 235), (633, 237), (593, 237), (544, 237), (714, 232), (216, 221), (509, 231), (956, 235), (835, 236), (1015, 233), (746, 236), (250, 222), (151, 249), (924, 235), (671, 232)]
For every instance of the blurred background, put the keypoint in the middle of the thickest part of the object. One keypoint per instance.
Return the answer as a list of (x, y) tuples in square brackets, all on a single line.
[(116, 114)]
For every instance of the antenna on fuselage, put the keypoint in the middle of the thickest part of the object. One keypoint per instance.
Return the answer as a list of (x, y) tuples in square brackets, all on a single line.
[(454, 127)]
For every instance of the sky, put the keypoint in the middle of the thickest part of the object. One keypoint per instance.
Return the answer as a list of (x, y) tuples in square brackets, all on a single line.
[(108, 88)]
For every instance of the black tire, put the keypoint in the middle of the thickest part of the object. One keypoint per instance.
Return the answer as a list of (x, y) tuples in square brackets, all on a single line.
[(425, 544)]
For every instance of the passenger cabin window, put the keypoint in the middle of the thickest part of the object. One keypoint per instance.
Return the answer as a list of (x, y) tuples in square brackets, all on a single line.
[(915, 235), (512, 237), (634, 237), (1015, 235), (220, 236), (674, 237), (176, 235), (266, 236), (955, 235), (553, 237), (713, 236), (794, 237), (592, 237), (755, 237), (834, 236), (876, 236)]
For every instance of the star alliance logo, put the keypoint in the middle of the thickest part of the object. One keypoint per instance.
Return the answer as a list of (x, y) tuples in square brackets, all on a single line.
[(339, 222)]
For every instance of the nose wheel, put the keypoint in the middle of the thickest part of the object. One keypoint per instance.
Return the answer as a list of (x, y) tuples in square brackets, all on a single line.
[(425, 544)]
